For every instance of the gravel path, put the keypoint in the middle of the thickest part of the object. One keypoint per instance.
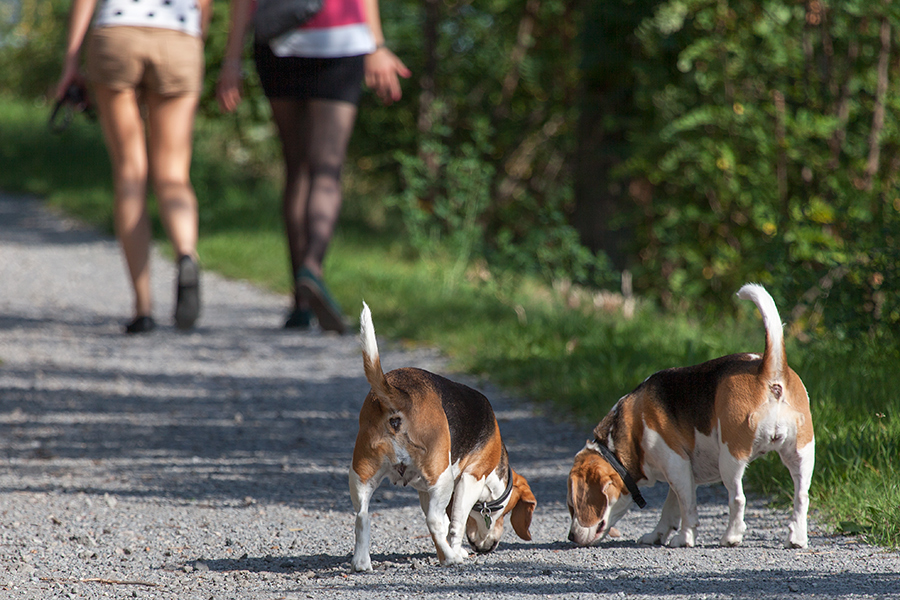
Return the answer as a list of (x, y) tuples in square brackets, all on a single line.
[(213, 464)]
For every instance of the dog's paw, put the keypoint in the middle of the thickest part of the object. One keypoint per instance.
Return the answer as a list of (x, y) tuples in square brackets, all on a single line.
[(733, 535), (795, 538), (361, 564), (654, 538), (456, 557), (682, 539)]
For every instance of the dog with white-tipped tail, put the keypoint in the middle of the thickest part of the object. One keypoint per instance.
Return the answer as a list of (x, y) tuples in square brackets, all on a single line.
[(694, 425), (440, 438)]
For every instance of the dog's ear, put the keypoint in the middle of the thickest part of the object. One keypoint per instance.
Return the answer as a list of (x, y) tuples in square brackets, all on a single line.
[(587, 490), (524, 508)]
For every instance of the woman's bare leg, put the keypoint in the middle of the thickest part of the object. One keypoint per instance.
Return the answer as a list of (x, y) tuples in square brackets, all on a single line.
[(170, 143), (123, 130)]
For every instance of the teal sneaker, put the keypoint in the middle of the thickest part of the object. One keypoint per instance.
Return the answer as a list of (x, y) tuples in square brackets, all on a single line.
[(327, 311)]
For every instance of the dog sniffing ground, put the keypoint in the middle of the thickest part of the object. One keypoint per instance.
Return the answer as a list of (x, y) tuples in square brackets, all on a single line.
[(214, 464)]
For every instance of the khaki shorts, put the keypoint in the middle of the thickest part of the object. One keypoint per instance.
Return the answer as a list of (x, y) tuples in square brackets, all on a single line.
[(157, 60)]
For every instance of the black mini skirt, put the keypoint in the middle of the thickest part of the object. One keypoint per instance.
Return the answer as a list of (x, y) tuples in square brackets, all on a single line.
[(302, 78)]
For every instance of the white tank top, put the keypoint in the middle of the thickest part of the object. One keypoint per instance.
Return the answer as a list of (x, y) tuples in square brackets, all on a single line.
[(180, 15)]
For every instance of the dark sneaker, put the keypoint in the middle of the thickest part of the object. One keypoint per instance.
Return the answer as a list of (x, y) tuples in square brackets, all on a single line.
[(300, 318), (187, 299), (140, 325), (327, 311)]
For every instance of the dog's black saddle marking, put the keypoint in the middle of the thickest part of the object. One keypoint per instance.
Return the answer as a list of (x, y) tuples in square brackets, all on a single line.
[(469, 415)]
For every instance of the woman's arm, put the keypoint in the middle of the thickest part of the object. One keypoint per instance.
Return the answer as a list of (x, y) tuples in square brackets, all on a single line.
[(206, 11), (79, 21), (228, 89), (383, 68)]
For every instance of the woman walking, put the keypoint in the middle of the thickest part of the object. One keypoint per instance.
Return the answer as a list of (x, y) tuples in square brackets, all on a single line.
[(312, 78), (146, 53)]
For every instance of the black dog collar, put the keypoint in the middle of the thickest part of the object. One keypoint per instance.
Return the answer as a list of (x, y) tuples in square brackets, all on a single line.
[(616, 464), (487, 509)]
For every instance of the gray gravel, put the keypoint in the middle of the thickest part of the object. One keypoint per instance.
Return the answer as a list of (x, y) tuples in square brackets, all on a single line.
[(213, 464)]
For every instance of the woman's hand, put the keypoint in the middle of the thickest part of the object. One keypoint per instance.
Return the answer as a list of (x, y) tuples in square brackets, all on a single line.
[(79, 20), (71, 74), (228, 88), (383, 72)]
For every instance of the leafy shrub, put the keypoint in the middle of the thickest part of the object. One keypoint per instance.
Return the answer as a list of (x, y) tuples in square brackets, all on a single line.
[(487, 171), (768, 152), (32, 46)]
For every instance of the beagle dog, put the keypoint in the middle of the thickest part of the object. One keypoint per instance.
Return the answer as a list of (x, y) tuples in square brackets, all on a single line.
[(441, 438), (695, 425)]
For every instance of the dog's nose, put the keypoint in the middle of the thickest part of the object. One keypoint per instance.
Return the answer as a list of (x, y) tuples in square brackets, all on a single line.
[(571, 537)]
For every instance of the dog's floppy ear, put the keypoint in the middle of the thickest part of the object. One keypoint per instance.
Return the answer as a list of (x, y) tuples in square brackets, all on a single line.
[(524, 508), (587, 490)]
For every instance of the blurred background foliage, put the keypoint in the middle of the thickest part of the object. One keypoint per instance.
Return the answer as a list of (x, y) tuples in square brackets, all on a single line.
[(697, 144)]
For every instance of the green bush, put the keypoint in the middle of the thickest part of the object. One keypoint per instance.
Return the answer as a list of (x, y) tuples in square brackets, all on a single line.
[(768, 151), (32, 45), (487, 172)]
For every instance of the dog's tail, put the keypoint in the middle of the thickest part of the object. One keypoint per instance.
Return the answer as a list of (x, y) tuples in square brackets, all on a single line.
[(774, 362), (371, 359)]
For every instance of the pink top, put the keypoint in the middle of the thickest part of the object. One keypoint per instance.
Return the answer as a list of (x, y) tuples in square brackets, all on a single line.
[(339, 29), (335, 13)]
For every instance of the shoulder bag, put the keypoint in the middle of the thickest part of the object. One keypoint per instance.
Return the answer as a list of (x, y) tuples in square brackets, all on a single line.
[(275, 17)]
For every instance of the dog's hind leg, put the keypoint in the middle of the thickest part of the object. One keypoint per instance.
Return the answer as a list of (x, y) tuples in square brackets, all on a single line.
[(360, 494), (425, 503), (434, 503), (732, 471), (668, 521), (800, 462)]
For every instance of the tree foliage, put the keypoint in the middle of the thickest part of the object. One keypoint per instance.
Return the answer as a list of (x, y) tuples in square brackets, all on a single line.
[(486, 143), (767, 151), (32, 45)]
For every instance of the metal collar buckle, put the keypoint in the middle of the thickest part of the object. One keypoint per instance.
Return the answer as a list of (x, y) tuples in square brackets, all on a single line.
[(487, 509)]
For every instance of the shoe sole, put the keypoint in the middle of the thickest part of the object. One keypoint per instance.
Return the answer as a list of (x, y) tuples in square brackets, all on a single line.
[(329, 318), (187, 304)]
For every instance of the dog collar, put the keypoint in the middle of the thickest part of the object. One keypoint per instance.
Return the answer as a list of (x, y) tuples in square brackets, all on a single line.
[(616, 464), (487, 509)]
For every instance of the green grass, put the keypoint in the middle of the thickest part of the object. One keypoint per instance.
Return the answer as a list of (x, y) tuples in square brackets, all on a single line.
[(517, 332)]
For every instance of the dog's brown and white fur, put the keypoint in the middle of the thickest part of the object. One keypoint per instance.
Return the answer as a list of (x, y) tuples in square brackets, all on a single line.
[(696, 425), (442, 439)]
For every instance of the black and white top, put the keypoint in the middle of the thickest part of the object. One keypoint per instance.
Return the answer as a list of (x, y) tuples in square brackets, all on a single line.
[(180, 15)]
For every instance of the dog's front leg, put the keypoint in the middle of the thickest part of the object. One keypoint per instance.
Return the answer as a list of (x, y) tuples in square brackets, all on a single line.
[(800, 463), (360, 494), (438, 497), (668, 521), (681, 480)]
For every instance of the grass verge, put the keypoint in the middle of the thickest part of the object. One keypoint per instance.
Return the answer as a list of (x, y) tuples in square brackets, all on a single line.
[(548, 345)]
